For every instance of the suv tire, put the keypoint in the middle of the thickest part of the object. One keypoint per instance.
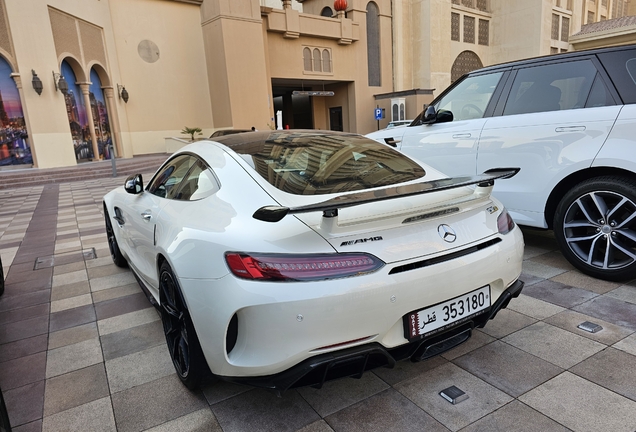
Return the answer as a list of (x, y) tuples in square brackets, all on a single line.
[(595, 225)]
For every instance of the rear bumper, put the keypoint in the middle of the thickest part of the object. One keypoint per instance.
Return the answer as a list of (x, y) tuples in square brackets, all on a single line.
[(353, 362)]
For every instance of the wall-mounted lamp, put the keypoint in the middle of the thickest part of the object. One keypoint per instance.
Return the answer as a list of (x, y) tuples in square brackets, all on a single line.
[(123, 93), (37, 83), (60, 83)]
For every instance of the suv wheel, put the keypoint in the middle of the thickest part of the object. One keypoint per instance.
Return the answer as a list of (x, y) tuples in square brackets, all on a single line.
[(595, 225)]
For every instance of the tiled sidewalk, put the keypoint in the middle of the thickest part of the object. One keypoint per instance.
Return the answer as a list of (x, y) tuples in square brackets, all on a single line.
[(81, 349)]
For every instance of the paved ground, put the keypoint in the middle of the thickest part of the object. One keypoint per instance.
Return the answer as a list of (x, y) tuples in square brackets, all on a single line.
[(81, 349)]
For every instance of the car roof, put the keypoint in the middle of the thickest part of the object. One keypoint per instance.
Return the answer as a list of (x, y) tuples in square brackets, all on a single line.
[(550, 57)]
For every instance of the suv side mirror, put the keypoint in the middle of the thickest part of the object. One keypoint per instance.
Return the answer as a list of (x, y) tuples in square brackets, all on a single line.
[(134, 184), (442, 116)]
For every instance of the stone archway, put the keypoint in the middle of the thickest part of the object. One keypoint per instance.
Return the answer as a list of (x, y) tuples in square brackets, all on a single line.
[(466, 61)]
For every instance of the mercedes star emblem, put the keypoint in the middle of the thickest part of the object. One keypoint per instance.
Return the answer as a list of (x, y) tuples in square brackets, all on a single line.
[(446, 233)]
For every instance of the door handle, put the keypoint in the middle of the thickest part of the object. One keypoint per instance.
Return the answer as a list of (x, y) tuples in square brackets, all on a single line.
[(147, 215), (462, 135), (570, 129)]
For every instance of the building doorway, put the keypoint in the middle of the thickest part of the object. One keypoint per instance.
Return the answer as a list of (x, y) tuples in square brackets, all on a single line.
[(335, 119)]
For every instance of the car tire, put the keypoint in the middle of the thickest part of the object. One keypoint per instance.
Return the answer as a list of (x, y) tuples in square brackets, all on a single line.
[(181, 338), (115, 252), (595, 224), (1, 279)]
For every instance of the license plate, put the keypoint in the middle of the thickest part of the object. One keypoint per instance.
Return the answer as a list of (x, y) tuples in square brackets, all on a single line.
[(424, 322)]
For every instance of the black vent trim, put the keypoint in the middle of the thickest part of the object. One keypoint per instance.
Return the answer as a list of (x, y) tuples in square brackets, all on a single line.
[(441, 259)]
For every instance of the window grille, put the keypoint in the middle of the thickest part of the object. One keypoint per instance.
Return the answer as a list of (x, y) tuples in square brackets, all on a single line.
[(307, 59), (554, 50), (317, 60), (326, 61), (555, 27), (590, 17), (469, 29), (565, 29), (484, 32), (454, 26), (469, 3), (482, 5)]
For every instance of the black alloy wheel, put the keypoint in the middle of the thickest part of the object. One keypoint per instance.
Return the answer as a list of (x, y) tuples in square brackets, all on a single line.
[(1, 278), (595, 225), (115, 252), (181, 337)]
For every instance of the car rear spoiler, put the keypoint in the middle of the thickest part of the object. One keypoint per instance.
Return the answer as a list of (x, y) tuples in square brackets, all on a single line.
[(330, 207)]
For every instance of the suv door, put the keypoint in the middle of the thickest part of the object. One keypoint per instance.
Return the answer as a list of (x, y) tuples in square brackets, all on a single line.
[(541, 127), (451, 146)]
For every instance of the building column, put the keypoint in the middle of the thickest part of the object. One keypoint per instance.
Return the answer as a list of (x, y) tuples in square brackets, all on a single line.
[(85, 87), (115, 131), (18, 83)]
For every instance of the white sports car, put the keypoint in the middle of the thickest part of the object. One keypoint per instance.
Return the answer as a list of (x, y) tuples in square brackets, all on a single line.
[(287, 258)]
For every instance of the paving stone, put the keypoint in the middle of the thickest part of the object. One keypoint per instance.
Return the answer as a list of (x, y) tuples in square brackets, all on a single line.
[(529, 279), (121, 306), (113, 293), (73, 335), (96, 416), (581, 405), (106, 270), (69, 278), (72, 317), (552, 259), (155, 403), (25, 404), (407, 369), (424, 392), (198, 421), (612, 369), (558, 293), (132, 319), (70, 290), (35, 426), (478, 339), (553, 344), (73, 357), (218, 391), (14, 331), (386, 411), (22, 314), (339, 394), (515, 417), (74, 389), (507, 321), (69, 268), (22, 371), (610, 309), (625, 293), (507, 368), (71, 302), (138, 368), (534, 308), (577, 279), (23, 347), (570, 320), (541, 270), (112, 281), (133, 340), (628, 344), (264, 411)]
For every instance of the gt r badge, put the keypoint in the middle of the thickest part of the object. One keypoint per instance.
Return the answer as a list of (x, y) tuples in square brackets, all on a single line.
[(446, 233), (361, 240)]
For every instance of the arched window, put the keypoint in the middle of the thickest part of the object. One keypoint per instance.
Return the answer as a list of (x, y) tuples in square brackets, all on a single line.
[(77, 119), (14, 150), (307, 59), (465, 62), (317, 60), (395, 113), (402, 116), (373, 44), (326, 12), (326, 61)]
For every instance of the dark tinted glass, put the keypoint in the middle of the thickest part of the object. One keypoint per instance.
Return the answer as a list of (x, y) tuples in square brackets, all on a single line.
[(552, 87), (166, 181), (306, 163), (621, 67), (599, 96), (199, 183)]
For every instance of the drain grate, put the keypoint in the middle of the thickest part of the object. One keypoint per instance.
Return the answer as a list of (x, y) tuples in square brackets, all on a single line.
[(64, 258)]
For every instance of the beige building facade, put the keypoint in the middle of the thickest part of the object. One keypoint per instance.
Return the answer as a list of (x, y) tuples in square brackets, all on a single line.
[(83, 80)]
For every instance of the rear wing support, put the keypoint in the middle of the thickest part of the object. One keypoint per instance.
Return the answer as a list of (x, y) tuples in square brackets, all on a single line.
[(330, 207)]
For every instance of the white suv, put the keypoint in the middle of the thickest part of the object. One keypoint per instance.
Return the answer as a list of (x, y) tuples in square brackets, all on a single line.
[(569, 122)]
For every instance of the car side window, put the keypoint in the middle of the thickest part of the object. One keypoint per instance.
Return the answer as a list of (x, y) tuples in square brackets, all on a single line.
[(199, 183), (552, 87), (469, 99), (621, 67), (166, 183)]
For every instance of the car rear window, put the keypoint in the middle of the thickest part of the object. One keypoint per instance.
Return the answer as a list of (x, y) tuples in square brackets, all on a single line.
[(307, 163), (621, 67)]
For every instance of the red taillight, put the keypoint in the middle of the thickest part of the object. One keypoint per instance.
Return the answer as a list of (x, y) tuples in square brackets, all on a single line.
[(300, 267), (505, 224)]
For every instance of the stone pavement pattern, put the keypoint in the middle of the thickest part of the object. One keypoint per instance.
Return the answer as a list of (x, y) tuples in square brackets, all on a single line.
[(81, 348)]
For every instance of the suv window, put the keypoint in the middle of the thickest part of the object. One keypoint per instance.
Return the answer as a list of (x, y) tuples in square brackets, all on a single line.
[(553, 87), (621, 66), (469, 99)]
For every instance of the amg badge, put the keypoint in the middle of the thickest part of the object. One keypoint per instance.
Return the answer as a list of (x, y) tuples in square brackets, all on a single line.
[(362, 240)]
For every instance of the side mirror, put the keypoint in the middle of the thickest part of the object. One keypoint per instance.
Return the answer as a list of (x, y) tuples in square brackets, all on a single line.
[(134, 184), (444, 116), (430, 115)]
